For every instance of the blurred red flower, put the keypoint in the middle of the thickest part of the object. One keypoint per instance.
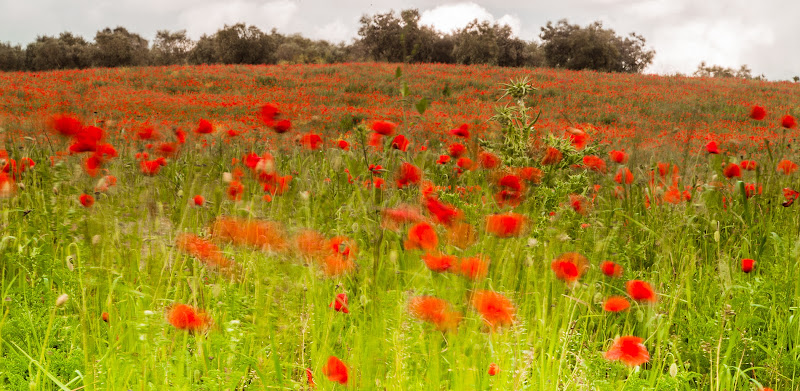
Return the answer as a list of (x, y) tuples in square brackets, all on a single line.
[(488, 160), (787, 167), (611, 269), (551, 156), (421, 236), (758, 113), (204, 127), (473, 268), (495, 309), (618, 157), (86, 200), (335, 370), (788, 122), (640, 291), (340, 303), (185, 317), (629, 350), (712, 147), (505, 225), (461, 131), (569, 267), (408, 174), (616, 304), (732, 170), (384, 128), (747, 265), (594, 163), (434, 310)]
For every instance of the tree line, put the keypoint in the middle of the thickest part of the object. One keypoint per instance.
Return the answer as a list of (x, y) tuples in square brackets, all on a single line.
[(381, 37)]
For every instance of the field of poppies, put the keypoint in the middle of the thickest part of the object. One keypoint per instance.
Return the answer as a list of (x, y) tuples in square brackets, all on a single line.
[(411, 227)]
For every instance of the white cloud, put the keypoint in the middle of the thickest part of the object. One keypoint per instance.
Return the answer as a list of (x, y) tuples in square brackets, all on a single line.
[(208, 18), (450, 17), (334, 32)]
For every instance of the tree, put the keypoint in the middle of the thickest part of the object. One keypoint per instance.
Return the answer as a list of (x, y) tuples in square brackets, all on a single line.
[(242, 44), (171, 47), (744, 72), (12, 58), (386, 37), (65, 52), (593, 47), (118, 47), (476, 44)]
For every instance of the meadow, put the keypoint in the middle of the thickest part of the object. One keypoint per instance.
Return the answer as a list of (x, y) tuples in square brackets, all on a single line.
[(397, 227)]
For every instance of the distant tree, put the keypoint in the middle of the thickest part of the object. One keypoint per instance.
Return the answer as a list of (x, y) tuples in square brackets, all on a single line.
[(593, 47), (12, 58), (744, 72), (534, 55), (476, 44), (65, 52), (387, 37), (242, 44), (203, 52), (796, 79), (119, 47), (171, 47)]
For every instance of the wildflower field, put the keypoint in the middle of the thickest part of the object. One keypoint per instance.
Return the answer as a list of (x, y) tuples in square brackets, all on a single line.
[(385, 227)]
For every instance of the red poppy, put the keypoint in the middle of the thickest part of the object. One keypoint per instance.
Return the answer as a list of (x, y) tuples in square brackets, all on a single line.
[(66, 125), (400, 142), (180, 135), (629, 350), (624, 175), (434, 310), (640, 291), (747, 265), (750, 189), (408, 174), (311, 141), (578, 138), (393, 218), (343, 145), (748, 165), (185, 317), (569, 267), (594, 163), (335, 370), (340, 303), (488, 160), (421, 236), (152, 167), (456, 150), (790, 195), (204, 127), (611, 269), (439, 262), (512, 191), (443, 159), (147, 132), (282, 126), (105, 316), (505, 225), (495, 309), (618, 157), (493, 369), (310, 377), (579, 204), (7, 185), (616, 304), (442, 213), (787, 167), (86, 200), (461, 131), (198, 200), (712, 147), (235, 190), (203, 250), (384, 128), (86, 139), (461, 235), (473, 268), (264, 235), (788, 122), (551, 156), (732, 170), (758, 113)]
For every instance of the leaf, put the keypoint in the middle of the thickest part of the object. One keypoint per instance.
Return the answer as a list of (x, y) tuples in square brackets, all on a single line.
[(422, 105), (398, 73), (404, 90)]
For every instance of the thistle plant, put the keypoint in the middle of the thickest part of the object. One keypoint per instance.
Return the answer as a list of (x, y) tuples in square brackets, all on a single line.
[(516, 121)]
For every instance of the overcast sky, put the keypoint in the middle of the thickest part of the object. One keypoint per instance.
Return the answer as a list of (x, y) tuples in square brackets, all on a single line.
[(764, 35)]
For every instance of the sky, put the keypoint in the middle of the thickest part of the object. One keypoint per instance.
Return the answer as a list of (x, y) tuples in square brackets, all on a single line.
[(766, 37)]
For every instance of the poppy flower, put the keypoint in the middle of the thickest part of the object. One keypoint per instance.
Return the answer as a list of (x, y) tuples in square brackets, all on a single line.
[(335, 370), (147, 132), (748, 165), (66, 125), (640, 291), (578, 138), (439, 262), (443, 159), (512, 191), (198, 200), (594, 163), (611, 269), (282, 126), (758, 113), (340, 303), (569, 267), (488, 160), (505, 225), (185, 317), (456, 150), (311, 141), (86, 200), (750, 190), (203, 250), (624, 175), (204, 127), (434, 310), (7, 185), (551, 156), (579, 204), (732, 170), (464, 164), (442, 213), (495, 309), (493, 369), (384, 128), (235, 190), (340, 254), (461, 235), (473, 268), (394, 218), (629, 350), (105, 316), (747, 265), (790, 196), (421, 236), (788, 122), (616, 304), (343, 145), (86, 139), (264, 235), (712, 147), (618, 156), (310, 377), (400, 142), (530, 174), (461, 131), (152, 167), (787, 167), (407, 175)]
